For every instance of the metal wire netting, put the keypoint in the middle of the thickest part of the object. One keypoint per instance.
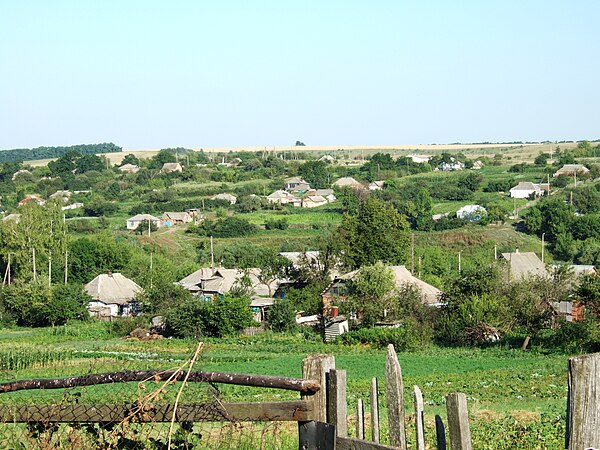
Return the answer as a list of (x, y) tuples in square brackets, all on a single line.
[(134, 414)]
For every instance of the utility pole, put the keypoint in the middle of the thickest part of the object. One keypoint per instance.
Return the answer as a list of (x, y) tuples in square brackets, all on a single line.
[(149, 222), (212, 254), (66, 266), (543, 234), (412, 254), (459, 262), (49, 268), (151, 254), (33, 261)]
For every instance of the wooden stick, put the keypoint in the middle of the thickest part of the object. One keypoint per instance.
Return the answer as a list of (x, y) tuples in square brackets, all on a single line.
[(374, 411), (440, 434), (291, 384), (360, 420), (316, 367), (419, 418)]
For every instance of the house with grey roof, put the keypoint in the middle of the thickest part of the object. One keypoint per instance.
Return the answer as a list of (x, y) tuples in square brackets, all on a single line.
[(571, 169), (113, 295), (135, 221), (526, 189), (523, 265), (232, 199)]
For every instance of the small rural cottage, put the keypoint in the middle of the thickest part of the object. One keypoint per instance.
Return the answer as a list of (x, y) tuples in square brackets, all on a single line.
[(135, 221), (471, 212), (347, 182), (171, 167), (113, 295), (129, 168), (32, 198), (571, 169), (296, 184), (523, 265), (175, 218), (283, 198), (232, 199), (526, 189), (376, 185), (312, 201)]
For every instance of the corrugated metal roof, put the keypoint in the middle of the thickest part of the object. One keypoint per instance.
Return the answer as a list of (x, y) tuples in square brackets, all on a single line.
[(523, 265), (112, 288)]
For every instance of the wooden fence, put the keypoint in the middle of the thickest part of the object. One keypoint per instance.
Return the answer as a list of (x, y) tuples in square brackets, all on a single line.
[(321, 412)]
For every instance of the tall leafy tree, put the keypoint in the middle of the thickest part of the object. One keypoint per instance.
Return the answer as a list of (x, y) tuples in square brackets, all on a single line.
[(376, 232), (316, 174)]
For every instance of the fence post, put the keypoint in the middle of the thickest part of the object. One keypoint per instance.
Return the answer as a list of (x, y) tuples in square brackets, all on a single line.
[(440, 434), (394, 388), (316, 434), (458, 421), (337, 401), (315, 367), (583, 404), (360, 419), (374, 411), (419, 418)]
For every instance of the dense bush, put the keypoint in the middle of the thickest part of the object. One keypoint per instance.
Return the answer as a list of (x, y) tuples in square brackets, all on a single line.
[(226, 227), (402, 337), (220, 317), (282, 316), (37, 305)]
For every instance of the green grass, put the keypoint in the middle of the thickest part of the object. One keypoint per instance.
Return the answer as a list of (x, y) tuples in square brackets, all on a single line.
[(500, 382)]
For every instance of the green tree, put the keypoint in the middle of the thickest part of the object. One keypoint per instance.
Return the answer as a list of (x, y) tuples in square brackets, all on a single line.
[(370, 293), (541, 159), (588, 292), (377, 232), (130, 159), (282, 316), (316, 174)]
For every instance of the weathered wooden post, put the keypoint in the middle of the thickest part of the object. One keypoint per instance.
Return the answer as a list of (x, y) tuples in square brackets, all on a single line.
[(337, 409), (394, 388), (419, 418), (458, 421), (374, 411), (440, 434), (317, 434), (360, 419), (583, 403)]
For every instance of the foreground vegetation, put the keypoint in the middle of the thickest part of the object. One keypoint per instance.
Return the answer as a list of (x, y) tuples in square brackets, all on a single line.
[(518, 395)]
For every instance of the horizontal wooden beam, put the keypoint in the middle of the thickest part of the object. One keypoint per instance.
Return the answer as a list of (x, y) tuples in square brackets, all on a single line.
[(343, 443), (290, 411), (268, 381)]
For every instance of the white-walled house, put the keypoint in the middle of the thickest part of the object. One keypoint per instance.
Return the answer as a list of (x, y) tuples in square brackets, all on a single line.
[(113, 295), (134, 222), (525, 189)]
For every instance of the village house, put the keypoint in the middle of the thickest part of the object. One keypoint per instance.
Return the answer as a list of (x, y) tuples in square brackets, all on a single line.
[(75, 205), (419, 159), (12, 217), (296, 185), (523, 265), (32, 198), (326, 193), (450, 166), (327, 158), (175, 218), (113, 295), (208, 283), (337, 291), (313, 201), (347, 182), (171, 167), (283, 198), (232, 199), (376, 185), (135, 221), (526, 189), (571, 170), (65, 196), (129, 168)]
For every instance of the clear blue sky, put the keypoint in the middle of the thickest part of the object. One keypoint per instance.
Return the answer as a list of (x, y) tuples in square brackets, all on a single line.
[(154, 74)]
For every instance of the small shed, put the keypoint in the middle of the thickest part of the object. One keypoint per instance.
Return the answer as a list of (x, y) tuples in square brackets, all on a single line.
[(334, 327)]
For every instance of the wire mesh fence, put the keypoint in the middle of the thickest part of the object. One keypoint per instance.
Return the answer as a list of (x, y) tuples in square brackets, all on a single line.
[(160, 409)]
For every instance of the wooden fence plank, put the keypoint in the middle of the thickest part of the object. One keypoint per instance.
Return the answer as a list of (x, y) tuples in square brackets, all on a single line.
[(337, 410), (316, 436), (316, 367), (374, 411), (360, 419), (419, 418), (394, 388), (296, 410), (583, 404), (458, 421), (342, 443), (440, 434)]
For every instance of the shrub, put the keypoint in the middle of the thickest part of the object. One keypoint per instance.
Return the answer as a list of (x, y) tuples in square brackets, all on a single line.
[(401, 337), (276, 224), (282, 316), (226, 227), (223, 316)]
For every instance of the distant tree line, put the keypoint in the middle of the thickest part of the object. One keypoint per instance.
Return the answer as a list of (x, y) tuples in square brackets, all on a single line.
[(26, 154)]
